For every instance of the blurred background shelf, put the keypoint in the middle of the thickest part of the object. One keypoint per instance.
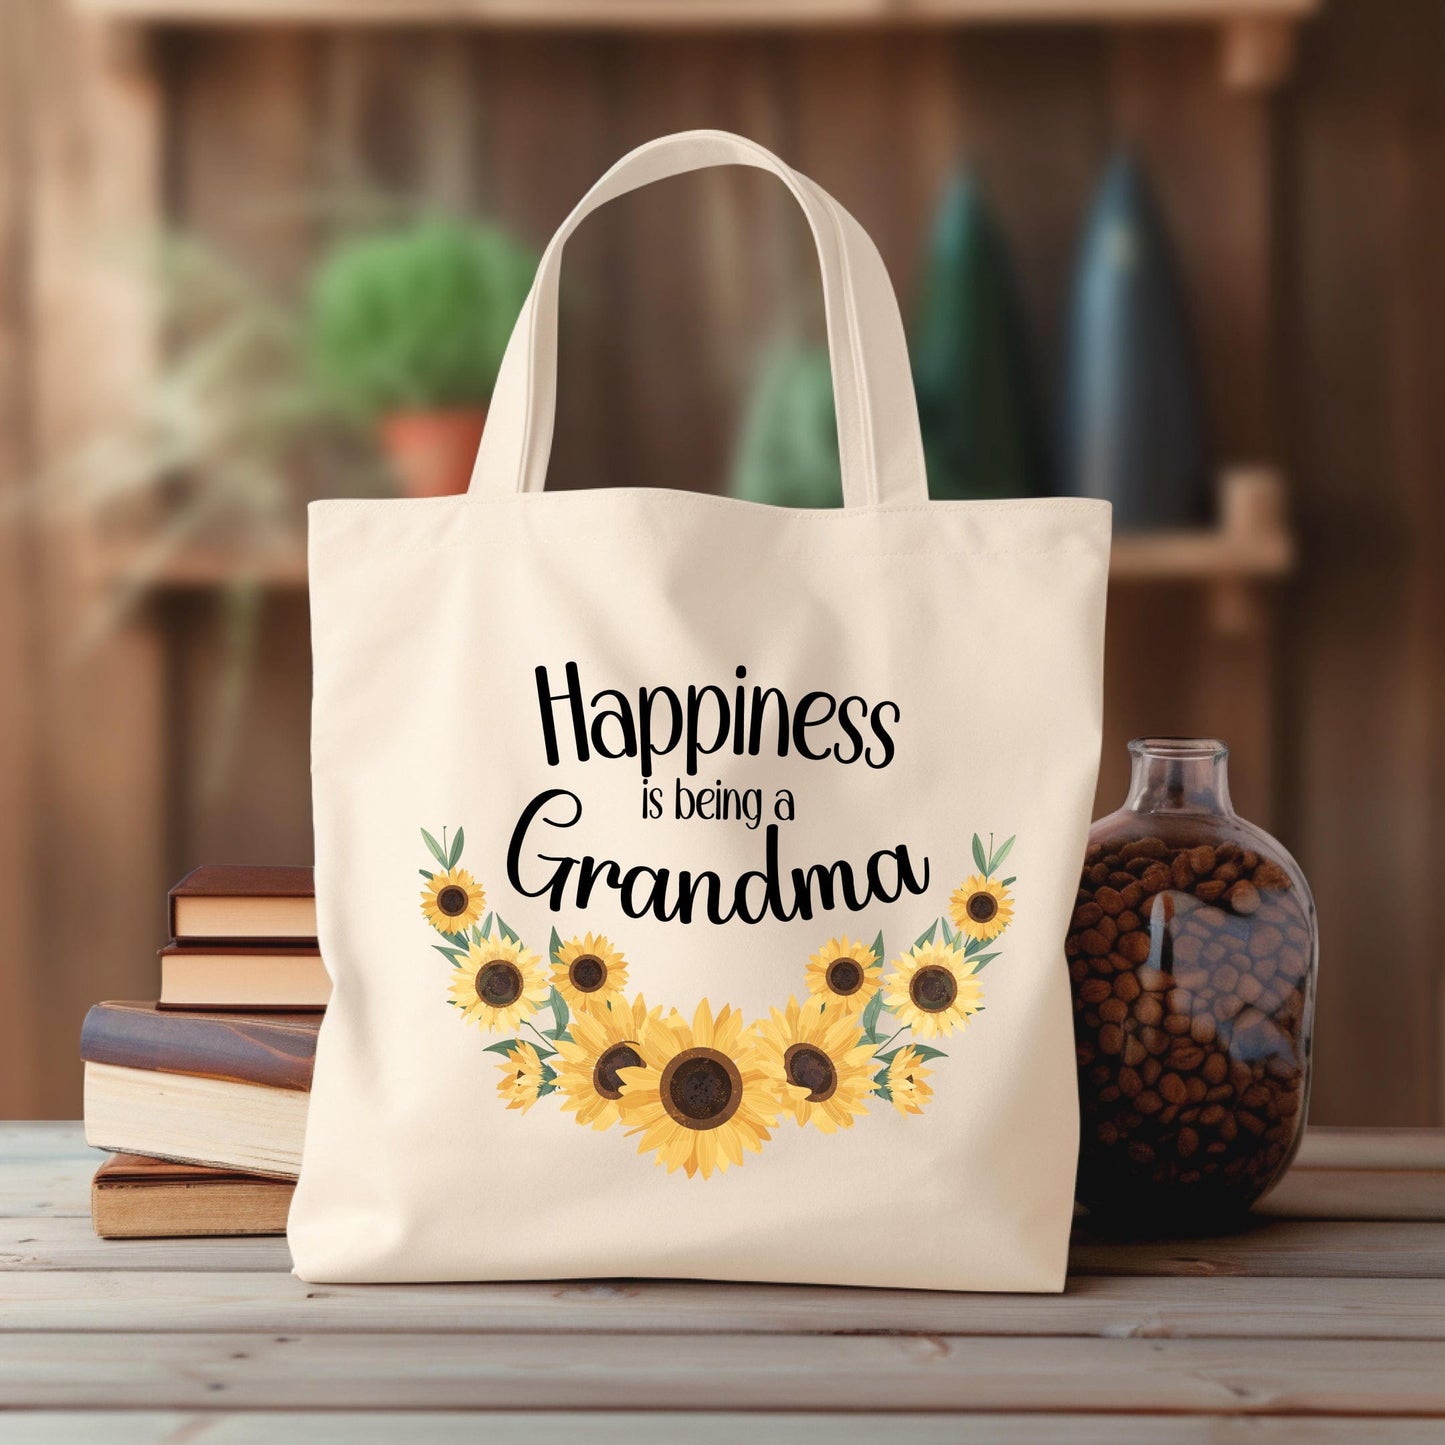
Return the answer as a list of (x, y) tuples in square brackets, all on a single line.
[(1252, 543)]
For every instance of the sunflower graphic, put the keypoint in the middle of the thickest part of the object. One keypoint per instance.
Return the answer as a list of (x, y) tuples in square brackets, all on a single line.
[(452, 901), (931, 990), (846, 973), (588, 1062), (700, 1096), (590, 974), (981, 908), (523, 1075), (906, 1081), (815, 1055), (498, 983)]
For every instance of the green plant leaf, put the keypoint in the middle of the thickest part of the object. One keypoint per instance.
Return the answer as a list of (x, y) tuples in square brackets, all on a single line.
[(555, 947), (486, 929), (973, 946), (886, 1059), (426, 875), (434, 848), (878, 947), (450, 954), (545, 1089), (978, 855), (883, 1092), (506, 932), (455, 856), (559, 1011), (982, 962), (927, 937), (1003, 852), (949, 936), (1008, 881), (504, 1048), (416, 316)]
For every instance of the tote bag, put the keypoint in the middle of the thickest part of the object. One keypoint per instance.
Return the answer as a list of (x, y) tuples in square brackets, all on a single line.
[(693, 874)]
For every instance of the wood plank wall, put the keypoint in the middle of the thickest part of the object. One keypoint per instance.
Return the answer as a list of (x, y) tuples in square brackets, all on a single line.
[(1307, 227)]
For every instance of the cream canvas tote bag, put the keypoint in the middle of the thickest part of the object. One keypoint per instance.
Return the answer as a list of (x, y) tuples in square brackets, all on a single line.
[(693, 874)]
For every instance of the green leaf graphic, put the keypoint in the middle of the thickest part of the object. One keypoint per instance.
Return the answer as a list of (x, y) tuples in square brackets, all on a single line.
[(927, 937), (434, 847), (870, 1018), (978, 854), (451, 955), (506, 932), (559, 1011), (1002, 853), (487, 927), (426, 875), (455, 856), (878, 947), (925, 1053), (504, 1048), (555, 947), (980, 963)]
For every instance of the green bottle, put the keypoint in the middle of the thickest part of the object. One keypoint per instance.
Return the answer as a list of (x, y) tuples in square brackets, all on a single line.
[(788, 451), (973, 365), (1131, 418)]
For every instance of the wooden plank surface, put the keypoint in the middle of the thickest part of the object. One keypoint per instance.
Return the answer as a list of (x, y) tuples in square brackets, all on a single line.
[(162, 1301), (1324, 1249), (719, 1372), (667, 1428)]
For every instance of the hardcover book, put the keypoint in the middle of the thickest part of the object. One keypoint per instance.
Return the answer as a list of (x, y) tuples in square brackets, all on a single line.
[(222, 901), (272, 1049), (135, 1197), (195, 1120), (232, 976)]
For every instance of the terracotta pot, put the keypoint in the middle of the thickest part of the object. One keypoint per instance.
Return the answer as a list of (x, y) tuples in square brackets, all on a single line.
[(432, 451)]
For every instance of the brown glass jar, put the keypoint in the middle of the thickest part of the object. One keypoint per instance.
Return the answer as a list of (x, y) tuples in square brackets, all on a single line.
[(1193, 951)]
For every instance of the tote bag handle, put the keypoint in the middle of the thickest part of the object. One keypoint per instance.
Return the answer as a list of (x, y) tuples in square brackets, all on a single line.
[(878, 438)]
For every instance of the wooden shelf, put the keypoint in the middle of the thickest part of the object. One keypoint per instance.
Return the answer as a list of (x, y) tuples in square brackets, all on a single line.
[(731, 14), (1251, 544)]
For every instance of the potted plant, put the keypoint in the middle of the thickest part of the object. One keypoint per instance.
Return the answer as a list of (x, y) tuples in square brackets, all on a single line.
[(409, 327)]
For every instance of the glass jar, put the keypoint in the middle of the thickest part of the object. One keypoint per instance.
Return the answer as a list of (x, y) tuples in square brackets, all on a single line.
[(1192, 950)]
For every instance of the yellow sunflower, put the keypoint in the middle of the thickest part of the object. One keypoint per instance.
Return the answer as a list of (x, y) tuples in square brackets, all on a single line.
[(522, 1077), (981, 908), (906, 1076), (931, 990), (498, 984), (818, 1062), (587, 1064), (700, 1096), (848, 973), (590, 974), (452, 901)]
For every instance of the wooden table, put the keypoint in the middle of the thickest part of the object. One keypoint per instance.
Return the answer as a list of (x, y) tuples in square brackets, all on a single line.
[(1329, 1309)]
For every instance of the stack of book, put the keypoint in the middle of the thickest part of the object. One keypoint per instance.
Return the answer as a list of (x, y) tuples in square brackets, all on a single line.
[(200, 1096)]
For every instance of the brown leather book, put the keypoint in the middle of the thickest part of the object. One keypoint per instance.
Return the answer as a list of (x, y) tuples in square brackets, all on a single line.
[(273, 1049), (133, 1197), (255, 976), (229, 901)]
